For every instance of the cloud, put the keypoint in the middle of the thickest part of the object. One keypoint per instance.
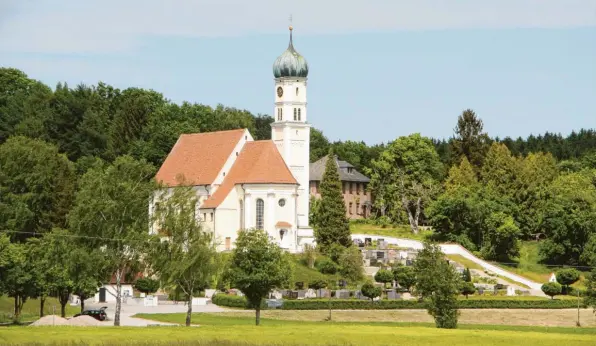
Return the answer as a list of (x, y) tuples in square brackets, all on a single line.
[(116, 26)]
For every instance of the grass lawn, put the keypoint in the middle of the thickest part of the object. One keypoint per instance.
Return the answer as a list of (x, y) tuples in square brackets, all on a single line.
[(31, 309), (220, 329), (529, 267), (389, 231)]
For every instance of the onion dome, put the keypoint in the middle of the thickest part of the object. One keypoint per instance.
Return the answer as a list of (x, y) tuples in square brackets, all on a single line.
[(290, 63)]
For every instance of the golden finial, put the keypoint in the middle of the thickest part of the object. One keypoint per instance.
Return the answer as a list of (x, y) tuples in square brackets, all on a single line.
[(291, 27)]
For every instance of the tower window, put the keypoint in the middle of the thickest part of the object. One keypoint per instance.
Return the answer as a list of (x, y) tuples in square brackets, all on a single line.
[(299, 116), (295, 114), (296, 91), (260, 213)]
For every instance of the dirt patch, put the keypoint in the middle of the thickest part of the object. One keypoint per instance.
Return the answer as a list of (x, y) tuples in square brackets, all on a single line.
[(518, 317), (83, 321), (49, 320)]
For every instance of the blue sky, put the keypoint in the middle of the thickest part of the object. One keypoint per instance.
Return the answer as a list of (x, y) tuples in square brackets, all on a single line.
[(379, 69)]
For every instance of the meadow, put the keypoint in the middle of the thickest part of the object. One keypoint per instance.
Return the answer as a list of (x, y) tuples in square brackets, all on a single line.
[(230, 329)]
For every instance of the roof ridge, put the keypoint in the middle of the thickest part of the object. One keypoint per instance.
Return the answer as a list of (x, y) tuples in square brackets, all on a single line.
[(211, 132)]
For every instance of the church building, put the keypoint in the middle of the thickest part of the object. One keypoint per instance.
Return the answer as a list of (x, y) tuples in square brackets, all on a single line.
[(242, 183)]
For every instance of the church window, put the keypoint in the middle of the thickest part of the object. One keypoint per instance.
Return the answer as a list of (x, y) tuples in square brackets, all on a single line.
[(350, 209), (295, 114), (211, 217), (357, 207), (260, 213), (299, 116), (296, 91), (282, 202)]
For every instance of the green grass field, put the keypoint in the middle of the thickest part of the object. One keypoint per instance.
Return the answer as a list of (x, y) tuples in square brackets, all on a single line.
[(215, 329), (389, 231), (528, 266), (31, 309)]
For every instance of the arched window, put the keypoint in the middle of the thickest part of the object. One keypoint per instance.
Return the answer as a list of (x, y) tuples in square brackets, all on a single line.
[(241, 215), (295, 114), (296, 91), (260, 213), (299, 116)]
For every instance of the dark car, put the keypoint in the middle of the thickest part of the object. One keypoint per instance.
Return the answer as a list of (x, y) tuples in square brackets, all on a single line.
[(98, 314)]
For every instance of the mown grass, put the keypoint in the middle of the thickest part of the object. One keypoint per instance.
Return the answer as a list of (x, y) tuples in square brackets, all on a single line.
[(389, 231), (31, 309), (222, 330), (528, 265)]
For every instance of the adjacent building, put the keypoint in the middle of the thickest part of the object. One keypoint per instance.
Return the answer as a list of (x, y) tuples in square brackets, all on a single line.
[(354, 185)]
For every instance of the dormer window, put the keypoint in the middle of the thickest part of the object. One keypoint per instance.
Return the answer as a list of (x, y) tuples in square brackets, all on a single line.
[(350, 170)]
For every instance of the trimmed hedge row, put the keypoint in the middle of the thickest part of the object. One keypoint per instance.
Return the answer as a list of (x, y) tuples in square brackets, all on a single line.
[(353, 304)]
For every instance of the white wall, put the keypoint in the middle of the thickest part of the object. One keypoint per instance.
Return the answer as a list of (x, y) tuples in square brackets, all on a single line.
[(111, 292)]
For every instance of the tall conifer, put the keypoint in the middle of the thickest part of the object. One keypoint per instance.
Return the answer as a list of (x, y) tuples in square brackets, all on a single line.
[(333, 225)]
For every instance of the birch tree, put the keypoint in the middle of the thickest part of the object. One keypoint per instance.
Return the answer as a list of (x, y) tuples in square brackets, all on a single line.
[(111, 212), (183, 254)]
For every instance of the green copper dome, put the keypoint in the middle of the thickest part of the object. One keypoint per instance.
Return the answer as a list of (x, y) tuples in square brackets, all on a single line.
[(290, 63)]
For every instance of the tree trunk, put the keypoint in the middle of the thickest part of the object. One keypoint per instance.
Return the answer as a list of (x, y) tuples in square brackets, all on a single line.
[(42, 302), (413, 219), (189, 311), (258, 314), (82, 303), (16, 307), (118, 298), (63, 299)]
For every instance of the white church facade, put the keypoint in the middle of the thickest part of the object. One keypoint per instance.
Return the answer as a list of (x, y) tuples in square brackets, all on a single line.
[(242, 183)]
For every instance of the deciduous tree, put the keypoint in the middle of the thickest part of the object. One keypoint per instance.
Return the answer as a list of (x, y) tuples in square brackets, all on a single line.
[(111, 211), (257, 266)]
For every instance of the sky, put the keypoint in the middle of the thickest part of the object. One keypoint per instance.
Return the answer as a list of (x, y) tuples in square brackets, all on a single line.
[(379, 69)]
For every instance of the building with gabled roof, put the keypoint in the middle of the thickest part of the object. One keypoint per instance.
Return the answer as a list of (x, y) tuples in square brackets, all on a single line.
[(357, 198), (242, 183)]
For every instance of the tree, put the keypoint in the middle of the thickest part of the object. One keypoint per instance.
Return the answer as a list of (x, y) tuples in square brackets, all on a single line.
[(317, 284), (257, 266), (590, 298), (551, 289), (319, 145), (111, 210), (462, 176), (147, 285), (470, 141), (406, 176), (88, 271), (501, 237), (500, 170), (405, 276), (567, 277), (16, 273), (350, 264), (370, 291), (186, 258), (384, 276), (467, 276), (467, 288), (438, 284), (333, 225), (36, 199)]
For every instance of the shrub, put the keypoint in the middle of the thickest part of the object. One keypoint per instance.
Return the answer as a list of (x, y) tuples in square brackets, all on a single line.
[(147, 285), (551, 289), (566, 277), (370, 291), (317, 284), (350, 264), (384, 276), (334, 252), (467, 288), (355, 304), (405, 276), (327, 266)]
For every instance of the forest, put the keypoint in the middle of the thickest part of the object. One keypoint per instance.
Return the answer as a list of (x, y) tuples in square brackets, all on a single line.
[(486, 193)]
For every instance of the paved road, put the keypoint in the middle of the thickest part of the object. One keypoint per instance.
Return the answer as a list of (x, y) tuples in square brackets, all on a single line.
[(127, 311)]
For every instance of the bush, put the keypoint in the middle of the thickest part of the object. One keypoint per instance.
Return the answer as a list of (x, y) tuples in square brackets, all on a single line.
[(551, 289), (334, 252), (371, 291), (384, 276), (356, 304), (350, 264), (467, 288), (147, 285), (566, 277), (317, 284), (327, 266)]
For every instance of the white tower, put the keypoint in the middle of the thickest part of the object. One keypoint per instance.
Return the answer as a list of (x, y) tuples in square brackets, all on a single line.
[(290, 131)]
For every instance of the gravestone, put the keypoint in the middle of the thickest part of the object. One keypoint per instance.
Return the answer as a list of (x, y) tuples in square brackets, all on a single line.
[(367, 241), (342, 294), (323, 293), (301, 294), (392, 295), (510, 291), (310, 293)]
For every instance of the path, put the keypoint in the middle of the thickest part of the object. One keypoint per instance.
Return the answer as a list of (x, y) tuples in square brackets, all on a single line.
[(455, 249), (128, 311)]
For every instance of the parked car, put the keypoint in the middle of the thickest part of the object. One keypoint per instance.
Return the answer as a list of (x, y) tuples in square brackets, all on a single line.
[(98, 314)]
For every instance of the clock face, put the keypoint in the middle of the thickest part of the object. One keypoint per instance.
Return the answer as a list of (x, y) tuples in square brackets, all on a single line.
[(280, 91)]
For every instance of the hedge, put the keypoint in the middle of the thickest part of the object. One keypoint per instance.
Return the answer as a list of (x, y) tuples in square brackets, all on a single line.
[(353, 304)]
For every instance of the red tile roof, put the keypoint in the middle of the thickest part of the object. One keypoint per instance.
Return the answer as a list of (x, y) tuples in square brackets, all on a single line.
[(259, 162), (198, 157)]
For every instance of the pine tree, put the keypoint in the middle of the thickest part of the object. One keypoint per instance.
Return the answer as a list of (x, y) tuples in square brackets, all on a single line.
[(333, 226)]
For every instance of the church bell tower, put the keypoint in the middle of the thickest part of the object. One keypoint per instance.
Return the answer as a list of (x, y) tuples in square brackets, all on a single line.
[(290, 130)]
